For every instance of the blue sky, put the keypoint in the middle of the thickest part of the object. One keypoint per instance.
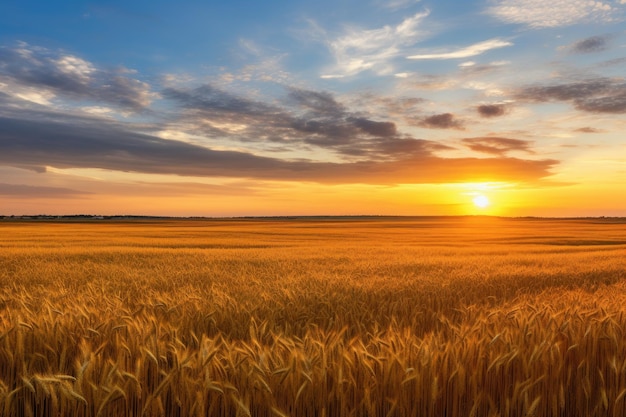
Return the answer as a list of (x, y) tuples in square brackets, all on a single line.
[(291, 107)]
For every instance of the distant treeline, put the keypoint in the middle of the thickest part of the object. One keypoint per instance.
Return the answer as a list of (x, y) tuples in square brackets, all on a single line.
[(81, 217)]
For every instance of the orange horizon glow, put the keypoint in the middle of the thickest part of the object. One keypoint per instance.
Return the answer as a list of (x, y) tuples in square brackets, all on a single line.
[(276, 199)]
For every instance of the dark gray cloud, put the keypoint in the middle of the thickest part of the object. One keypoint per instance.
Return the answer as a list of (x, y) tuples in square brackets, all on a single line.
[(407, 146), (596, 95), (319, 102), (374, 128), (71, 142), (29, 191), (591, 44), (441, 121), (213, 100), (492, 110), (80, 142), (312, 119), (72, 77), (496, 145)]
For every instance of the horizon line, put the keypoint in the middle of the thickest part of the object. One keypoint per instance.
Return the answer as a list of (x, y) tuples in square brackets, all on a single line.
[(283, 217)]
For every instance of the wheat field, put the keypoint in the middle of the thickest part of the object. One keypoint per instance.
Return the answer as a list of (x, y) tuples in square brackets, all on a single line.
[(465, 316)]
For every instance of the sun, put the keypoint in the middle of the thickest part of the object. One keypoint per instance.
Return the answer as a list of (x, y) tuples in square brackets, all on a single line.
[(481, 201)]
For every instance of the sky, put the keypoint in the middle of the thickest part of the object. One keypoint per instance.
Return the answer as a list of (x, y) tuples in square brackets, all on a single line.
[(342, 107)]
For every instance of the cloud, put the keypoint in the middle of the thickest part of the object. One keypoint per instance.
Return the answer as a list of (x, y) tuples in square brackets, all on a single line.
[(84, 143), (555, 13), (591, 44), (33, 168), (441, 121), (182, 188), (475, 69), (307, 118), (397, 4), (588, 129), (359, 50), (49, 73), (492, 110), (29, 191), (391, 106), (496, 145), (469, 51), (319, 102), (374, 128), (213, 99), (431, 82), (469, 75), (72, 142), (595, 95), (612, 62), (402, 109)]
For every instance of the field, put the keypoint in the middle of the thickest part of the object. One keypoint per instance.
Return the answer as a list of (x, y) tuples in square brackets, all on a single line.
[(467, 316)]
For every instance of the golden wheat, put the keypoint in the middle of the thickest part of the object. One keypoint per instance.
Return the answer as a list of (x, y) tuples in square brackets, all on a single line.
[(395, 317)]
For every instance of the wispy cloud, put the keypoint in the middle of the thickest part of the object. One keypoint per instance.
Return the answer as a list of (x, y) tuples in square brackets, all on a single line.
[(477, 69), (611, 62), (358, 50), (469, 75), (555, 13), (30, 191), (390, 107), (497, 145), (397, 4), (469, 51)]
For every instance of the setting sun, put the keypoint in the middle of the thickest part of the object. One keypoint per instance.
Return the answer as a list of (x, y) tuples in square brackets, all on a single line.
[(481, 201)]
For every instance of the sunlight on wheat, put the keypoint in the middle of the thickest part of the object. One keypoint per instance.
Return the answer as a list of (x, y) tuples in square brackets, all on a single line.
[(313, 319)]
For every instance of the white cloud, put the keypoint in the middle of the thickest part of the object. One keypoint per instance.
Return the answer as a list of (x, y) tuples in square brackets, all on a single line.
[(358, 50), (469, 51), (97, 110), (397, 4), (554, 13), (490, 89), (331, 76), (74, 66), (32, 94), (39, 97)]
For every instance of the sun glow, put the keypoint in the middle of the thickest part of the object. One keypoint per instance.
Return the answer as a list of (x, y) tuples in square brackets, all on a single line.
[(485, 198), (481, 201)]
